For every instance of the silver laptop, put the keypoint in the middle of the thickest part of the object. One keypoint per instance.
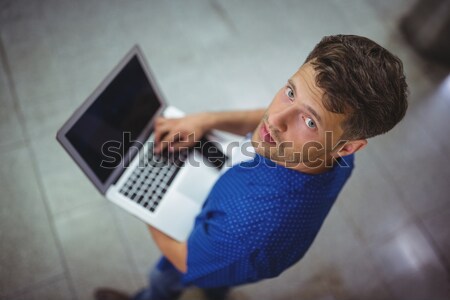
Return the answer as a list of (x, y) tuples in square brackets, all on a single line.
[(110, 137)]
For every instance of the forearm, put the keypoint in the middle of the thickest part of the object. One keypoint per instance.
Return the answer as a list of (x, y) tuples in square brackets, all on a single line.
[(174, 251), (237, 122)]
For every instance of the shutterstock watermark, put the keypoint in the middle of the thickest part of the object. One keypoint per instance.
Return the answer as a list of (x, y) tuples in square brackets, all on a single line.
[(311, 154)]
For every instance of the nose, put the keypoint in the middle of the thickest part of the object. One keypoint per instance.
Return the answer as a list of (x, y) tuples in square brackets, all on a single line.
[(280, 120)]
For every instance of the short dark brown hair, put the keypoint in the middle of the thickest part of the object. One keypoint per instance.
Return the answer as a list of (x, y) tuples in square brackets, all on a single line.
[(362, 80)]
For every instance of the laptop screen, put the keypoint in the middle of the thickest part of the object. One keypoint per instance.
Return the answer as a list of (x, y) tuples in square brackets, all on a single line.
[(105, 132)]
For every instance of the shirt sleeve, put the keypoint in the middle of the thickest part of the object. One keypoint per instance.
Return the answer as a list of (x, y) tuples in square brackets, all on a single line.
[(215, 246)]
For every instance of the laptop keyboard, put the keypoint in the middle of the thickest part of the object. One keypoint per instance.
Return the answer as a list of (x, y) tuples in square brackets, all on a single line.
[(150, 180)]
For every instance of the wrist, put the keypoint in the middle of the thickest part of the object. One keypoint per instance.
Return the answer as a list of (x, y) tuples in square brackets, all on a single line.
[(207, 121)]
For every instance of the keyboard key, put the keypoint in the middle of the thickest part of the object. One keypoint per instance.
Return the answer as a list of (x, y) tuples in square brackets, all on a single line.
[(150, 180)]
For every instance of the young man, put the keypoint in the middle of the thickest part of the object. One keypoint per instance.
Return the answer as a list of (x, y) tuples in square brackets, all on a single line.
[(263, 214)]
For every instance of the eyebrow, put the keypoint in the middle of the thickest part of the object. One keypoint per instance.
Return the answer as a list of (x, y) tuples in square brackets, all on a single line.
[(308, 108)]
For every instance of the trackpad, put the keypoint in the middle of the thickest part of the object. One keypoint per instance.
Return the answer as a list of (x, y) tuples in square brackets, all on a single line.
[(197, 181)]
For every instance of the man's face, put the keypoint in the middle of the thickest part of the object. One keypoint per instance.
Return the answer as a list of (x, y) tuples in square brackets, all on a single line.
[(296, 129)]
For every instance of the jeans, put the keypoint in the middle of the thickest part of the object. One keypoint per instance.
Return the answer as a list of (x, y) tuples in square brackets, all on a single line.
[(165, 284)]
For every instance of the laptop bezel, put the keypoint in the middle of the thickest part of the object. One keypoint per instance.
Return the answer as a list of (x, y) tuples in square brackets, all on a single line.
[(142, 137)]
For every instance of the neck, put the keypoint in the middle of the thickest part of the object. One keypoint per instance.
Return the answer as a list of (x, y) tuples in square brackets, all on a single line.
[(313, 170), (317, 167)]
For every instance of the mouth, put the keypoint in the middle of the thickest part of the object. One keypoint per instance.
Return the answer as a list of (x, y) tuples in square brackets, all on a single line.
[(265, 134)]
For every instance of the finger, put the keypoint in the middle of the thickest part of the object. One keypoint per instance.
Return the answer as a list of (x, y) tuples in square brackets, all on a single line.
[(159, 133), (159, 120), (185, 141), (158, 146), (176, 146), (168, 139), (161, 130)]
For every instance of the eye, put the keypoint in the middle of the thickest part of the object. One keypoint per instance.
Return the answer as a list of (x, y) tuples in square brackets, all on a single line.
[(290, 93), (310, 123)]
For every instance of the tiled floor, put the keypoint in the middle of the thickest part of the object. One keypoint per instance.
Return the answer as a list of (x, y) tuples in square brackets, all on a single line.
[(388, 235)]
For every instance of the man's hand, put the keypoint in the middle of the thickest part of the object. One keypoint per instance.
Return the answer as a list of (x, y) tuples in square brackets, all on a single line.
[(181, 132), (174, 251)]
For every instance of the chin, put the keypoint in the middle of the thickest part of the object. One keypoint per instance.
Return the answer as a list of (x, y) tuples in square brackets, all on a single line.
[(256, 138), (264, 150)]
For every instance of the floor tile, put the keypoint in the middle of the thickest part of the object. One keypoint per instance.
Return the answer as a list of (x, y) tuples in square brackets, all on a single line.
[(57, 290), (364, 20), (432, 115), (371, 201), (411, 160), (335, 238), (350, 272), (213, 87), (65, 185), (138, 242), (199, 27), (46, 120), (26, 48), (392, 10), (29, 251), (10, 127), (94, 251), (305, 280), (411, 267), (436, 224), (358, 279)]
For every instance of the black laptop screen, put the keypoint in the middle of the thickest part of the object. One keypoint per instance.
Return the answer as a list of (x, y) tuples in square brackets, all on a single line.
[(107, 129)]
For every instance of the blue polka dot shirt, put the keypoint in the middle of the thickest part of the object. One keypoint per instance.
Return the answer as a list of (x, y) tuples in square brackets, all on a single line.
[(259, 219)]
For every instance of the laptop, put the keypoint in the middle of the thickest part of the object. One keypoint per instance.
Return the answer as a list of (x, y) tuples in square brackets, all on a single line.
[(110, 137)]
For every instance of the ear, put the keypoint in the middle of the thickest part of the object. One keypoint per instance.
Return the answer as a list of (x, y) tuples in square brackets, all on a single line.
[(351, 147)]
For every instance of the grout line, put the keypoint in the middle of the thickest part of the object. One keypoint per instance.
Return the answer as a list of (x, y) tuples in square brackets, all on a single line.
[(437, 250), (224, 16), (34, 168), (89, 205)]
